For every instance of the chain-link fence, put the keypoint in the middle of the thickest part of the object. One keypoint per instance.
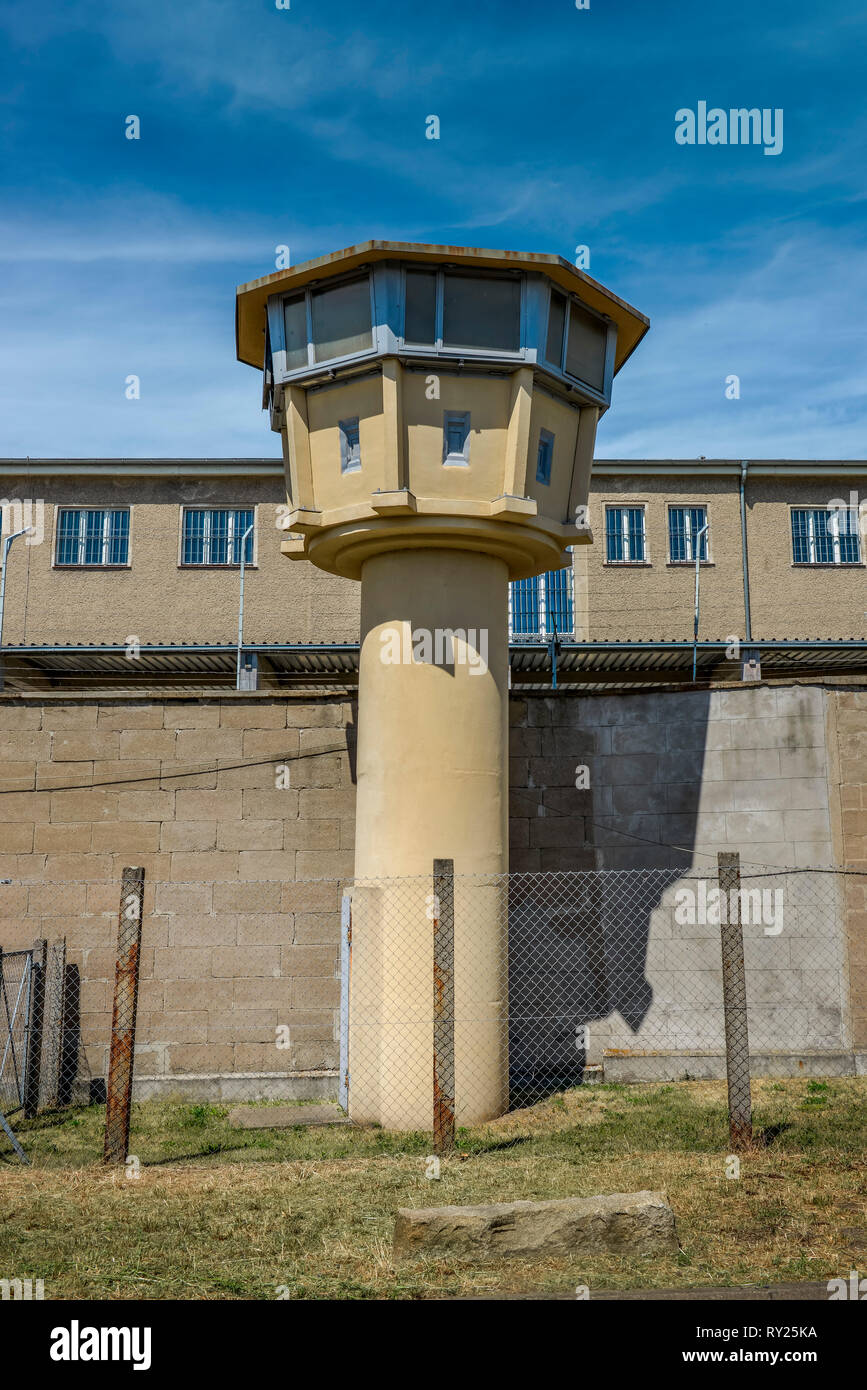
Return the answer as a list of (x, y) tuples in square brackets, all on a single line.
[(427, 1004), (561, 978), (42, 1063), (15, 967), (39, 1034)]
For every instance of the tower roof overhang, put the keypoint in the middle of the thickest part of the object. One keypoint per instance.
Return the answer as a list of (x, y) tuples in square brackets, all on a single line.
[(252, 297)]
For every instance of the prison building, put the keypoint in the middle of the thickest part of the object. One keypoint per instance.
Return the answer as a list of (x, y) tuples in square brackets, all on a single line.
[(128, 736)]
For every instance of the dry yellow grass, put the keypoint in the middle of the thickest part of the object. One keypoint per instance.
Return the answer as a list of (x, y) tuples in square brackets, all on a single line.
[(311, 1212)]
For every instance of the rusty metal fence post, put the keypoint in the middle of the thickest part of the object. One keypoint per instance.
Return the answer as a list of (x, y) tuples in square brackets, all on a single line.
[(735, 1002), (444, 1005), (55, 989), (120, 1065)]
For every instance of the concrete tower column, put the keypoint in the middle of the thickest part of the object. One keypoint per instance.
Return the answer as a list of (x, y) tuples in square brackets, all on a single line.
[(432, 783), (432, 737)]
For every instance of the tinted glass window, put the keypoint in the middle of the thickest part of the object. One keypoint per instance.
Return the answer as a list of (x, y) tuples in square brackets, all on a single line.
[(341, 319), (483, 312), (585, 351), (295, 318), (421, 306), (556, 325)]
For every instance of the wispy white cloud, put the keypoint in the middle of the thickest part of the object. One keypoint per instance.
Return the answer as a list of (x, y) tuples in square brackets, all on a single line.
[(781, 328), (311, 131)]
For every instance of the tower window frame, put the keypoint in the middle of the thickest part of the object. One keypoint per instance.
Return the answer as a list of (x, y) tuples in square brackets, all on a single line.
[(545, 457), (438, 343), (350, 445), (302, 300), (602, 389), (456, 431)]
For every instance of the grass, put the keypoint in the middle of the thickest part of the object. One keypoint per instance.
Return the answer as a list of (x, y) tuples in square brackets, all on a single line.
[(220, 1213)]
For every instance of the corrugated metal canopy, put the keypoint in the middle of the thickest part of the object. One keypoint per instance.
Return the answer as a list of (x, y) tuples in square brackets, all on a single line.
[(590, 666)]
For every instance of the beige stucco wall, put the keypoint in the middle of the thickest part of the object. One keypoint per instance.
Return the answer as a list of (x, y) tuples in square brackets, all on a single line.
[(793, 600), (326, 407), (655, 601), (155, 599), (158, 601)]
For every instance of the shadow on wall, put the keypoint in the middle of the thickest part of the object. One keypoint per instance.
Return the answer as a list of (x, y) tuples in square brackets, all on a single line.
[(603, 818)]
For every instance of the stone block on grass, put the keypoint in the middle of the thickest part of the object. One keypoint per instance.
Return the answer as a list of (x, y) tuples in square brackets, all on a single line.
[(623, 1223)]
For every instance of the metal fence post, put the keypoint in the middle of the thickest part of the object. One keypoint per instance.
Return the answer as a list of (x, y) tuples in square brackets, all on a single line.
[(735, 1002), (55, 982), (345, 977), (35, 1012), (120, 1065), (444, 1005)]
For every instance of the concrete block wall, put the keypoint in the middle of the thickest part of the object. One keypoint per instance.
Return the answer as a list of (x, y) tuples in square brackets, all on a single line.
[(848, 710), (674, 778), (238, 938)]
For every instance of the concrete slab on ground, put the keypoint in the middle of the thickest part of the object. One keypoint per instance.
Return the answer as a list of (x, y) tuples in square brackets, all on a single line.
[(285, 1116)]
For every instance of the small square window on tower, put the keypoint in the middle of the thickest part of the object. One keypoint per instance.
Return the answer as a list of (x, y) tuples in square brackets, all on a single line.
[(350, 447), (545, 457), (456, 438)]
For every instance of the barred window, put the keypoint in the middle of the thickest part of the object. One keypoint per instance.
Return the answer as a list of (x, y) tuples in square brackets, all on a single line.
[(825, 536), (542, 605), (684, 524), (624, 535), (213, 537), (94, 537)]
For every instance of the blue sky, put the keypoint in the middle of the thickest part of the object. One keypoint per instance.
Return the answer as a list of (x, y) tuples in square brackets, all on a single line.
[(306, 126)]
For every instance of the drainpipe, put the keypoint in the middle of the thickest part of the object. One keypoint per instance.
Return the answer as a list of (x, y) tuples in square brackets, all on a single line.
[(6, 547), (751, 665), (744, 553), (554, 650), (696, 542), (241, 607)]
